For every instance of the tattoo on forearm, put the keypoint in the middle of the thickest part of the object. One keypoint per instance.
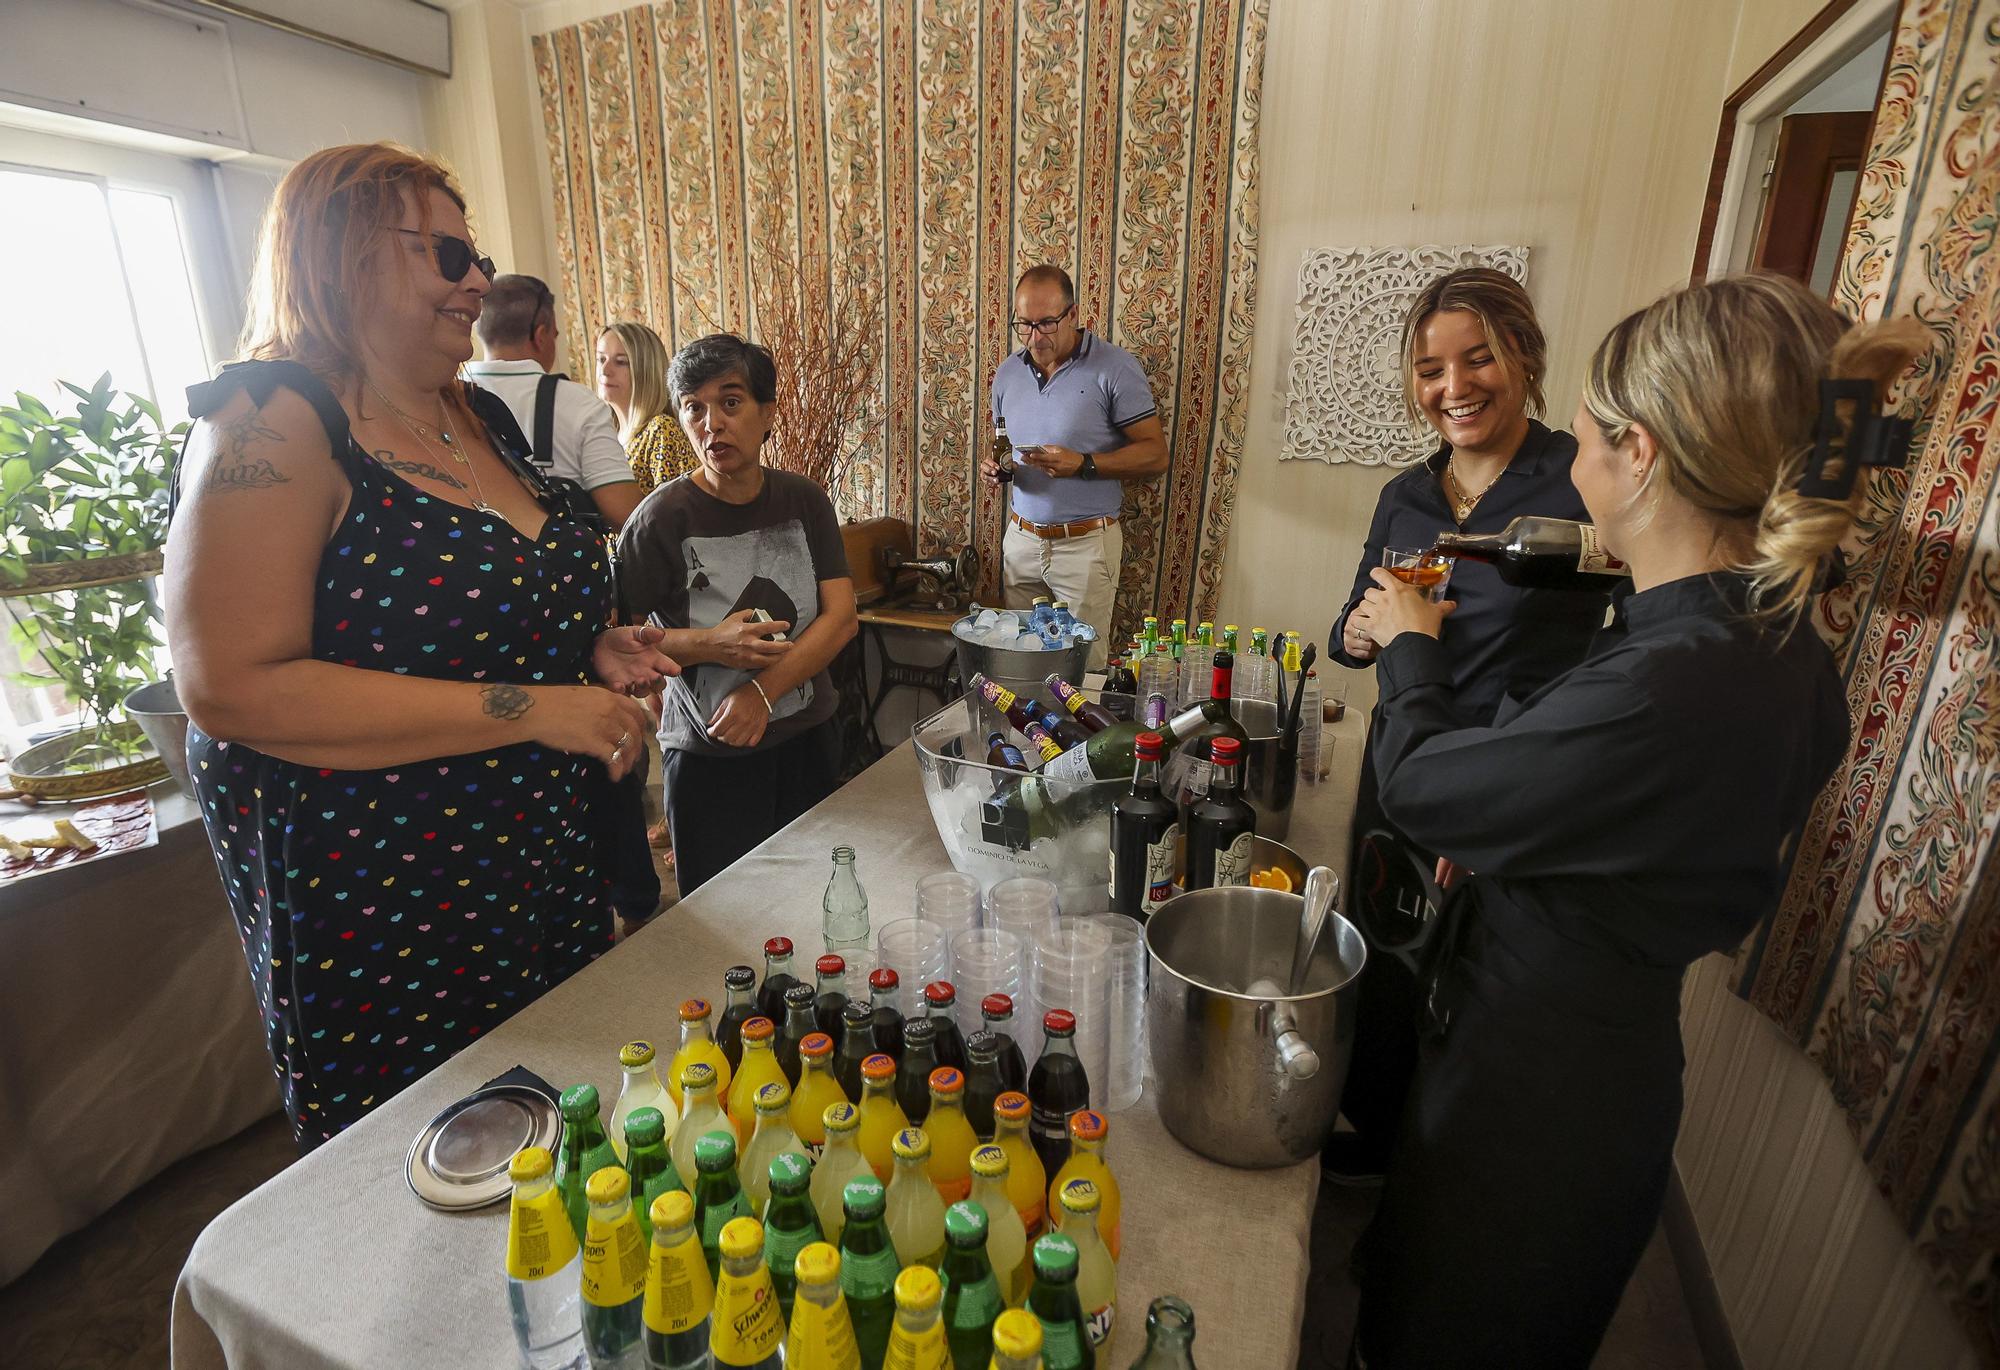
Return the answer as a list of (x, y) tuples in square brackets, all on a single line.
[(505, 701), (419, 468), (235, 468)]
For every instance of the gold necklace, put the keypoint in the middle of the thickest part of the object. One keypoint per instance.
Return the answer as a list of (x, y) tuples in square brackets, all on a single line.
[(479, 503), (1463, 504)]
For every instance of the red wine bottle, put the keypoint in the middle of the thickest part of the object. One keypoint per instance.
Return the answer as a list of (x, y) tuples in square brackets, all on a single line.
[(1539, 553)]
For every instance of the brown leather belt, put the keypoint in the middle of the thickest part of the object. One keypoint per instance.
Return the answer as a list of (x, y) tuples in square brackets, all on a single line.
[(1074, 529)]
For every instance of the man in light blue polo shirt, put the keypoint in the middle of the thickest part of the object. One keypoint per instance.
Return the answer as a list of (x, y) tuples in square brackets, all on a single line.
[(1082, 421)]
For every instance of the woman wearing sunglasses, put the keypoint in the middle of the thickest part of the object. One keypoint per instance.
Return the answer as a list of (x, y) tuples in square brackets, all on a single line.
[(1634, 815), (390, 641)]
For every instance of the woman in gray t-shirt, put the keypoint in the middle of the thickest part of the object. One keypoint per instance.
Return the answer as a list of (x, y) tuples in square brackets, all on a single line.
[(745, 729)]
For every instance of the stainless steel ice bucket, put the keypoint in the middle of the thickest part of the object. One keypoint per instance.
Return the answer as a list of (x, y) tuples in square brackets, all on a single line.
[(1247, 1075), (1022, 672), (157, 710)]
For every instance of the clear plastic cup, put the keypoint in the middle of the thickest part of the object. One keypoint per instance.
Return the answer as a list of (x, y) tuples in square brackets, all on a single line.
[(949, 899), (919, 952), (1071, 971), (985, 961), (1125, 978)]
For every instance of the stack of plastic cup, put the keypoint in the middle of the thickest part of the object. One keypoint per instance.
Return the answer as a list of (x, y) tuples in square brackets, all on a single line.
[(985, 961), (1026, 907), (949, 899), (919, 952), (1126, 976), (1071, 964)]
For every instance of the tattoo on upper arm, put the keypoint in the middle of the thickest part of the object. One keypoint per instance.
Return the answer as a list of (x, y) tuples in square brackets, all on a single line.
[(235, 468), (418, 468), (505, 701)]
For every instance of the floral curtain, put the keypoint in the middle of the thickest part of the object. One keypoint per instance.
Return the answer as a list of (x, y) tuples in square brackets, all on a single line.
[(1884, 961), (911, 158)]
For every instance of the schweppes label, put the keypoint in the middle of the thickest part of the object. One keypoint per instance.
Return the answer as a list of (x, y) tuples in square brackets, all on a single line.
[(540, 1240), (822, 1338), (679, 1292), (614, 1261), (746, 1325)]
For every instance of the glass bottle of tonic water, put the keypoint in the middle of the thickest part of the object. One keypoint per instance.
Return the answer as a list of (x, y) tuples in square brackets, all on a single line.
[(918, 1341), (822, 1333), (542, 1257), (679, 1289), (613, 1276), (745, 1329)]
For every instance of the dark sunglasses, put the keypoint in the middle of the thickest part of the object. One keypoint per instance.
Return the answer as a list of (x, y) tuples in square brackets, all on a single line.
[(455, 256)]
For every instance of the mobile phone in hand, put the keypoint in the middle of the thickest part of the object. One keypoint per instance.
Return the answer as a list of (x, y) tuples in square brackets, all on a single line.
[(764, 616)]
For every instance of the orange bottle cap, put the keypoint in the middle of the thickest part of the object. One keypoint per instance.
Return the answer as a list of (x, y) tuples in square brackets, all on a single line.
[(878, 1067), (816, 1044), (758, 1030), (947, 1080), (1011, 1105), (692, 1010), (1087, 1125)]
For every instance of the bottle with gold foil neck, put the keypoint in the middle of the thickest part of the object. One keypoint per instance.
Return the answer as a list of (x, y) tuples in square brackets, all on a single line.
[(613, 1276), (542, 1266)]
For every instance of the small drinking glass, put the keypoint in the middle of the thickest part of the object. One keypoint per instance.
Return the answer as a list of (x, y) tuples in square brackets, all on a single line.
[(1424, 569)]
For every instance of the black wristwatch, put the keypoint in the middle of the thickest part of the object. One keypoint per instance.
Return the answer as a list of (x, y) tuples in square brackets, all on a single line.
[(1088, 471)]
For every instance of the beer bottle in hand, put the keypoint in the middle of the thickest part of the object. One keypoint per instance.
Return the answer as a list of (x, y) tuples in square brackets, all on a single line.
[(1541, 554), (1003, 450)]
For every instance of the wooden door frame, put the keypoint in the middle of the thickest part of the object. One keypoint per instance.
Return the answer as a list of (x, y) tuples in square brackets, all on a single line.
[(1732, 108)]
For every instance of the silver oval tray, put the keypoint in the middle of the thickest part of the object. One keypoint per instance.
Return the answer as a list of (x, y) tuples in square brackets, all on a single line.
[(460, 1159)]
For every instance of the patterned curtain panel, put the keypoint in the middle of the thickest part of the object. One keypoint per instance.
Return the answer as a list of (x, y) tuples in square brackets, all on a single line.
[(906, 160), (1884, 961)]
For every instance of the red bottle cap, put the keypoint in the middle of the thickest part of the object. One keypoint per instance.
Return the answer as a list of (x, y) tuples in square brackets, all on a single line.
[(758, 1029), (946, 1080), (778, 946), (830, 964), (884, 978), (1087, 1125), (879, 1067), (996, 1006), (1148, 746), (939, 993), (816, 1044), (1227, 751), (1057, 1020)]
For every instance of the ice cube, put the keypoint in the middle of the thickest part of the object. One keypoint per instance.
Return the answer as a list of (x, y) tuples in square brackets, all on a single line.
[(988, 618), (1029, 642)]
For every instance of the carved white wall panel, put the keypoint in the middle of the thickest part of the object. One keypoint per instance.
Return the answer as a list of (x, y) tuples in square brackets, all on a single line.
[(1344, 401)]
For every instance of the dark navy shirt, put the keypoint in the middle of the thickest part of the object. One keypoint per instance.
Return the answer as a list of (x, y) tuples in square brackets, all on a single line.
[(1500, 640)]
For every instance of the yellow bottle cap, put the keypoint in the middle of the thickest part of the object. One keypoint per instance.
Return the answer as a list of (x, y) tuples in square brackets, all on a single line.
[(989, 1162), (913, 1145), (1017, 1334), (635, 1054), (675, 1208), (918, 1289), (693, 1010), (817, 1264), (742, 1238), (772, 1098), (608, 1186), (697, 1075), (1080, 1197), (531, 1163), (841, 1117)]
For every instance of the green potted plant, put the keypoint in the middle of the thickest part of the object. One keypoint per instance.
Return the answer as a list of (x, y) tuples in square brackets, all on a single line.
[(83, 515)]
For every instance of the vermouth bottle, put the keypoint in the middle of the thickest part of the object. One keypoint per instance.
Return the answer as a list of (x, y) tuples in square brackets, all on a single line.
[(1223, 826), (1541, 554), (1144, 824)]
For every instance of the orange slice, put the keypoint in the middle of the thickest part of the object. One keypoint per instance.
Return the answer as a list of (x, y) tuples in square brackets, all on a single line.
[(1271, 878)]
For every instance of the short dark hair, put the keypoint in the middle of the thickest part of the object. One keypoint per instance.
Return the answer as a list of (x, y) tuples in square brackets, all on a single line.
[(511, 309), (1049, 274), (719, 355)]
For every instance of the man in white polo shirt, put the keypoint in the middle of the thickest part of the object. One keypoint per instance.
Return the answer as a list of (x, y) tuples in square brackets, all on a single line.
[(517, 329), (1082, 421)]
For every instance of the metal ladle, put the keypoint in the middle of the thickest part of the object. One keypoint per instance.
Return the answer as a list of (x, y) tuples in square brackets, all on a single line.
[(1322, 886)]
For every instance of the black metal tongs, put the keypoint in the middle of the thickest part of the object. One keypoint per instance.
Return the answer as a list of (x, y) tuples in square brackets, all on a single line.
[(1286, 782)]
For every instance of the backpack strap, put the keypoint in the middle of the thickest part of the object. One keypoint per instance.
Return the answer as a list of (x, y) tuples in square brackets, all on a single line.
[(545, 417), (261, 379)]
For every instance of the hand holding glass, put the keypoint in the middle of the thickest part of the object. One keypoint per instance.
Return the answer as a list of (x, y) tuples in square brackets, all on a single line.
[(1425, 570)]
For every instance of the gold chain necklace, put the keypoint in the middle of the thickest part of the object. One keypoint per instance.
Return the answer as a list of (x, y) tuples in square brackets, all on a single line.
[(1463, 504), (479, 503)]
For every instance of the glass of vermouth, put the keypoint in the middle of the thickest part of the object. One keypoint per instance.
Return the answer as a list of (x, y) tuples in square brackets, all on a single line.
[(1424, 569)]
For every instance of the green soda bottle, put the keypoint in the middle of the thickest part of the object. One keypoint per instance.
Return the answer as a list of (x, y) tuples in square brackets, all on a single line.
[(972, 1296), (648, 1163), (717, 1195), (868, 1268), (1053, 1301), (791, 1224), (1169, 1336), (585, 1151)]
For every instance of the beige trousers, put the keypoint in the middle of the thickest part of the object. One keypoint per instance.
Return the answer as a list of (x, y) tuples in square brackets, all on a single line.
[(1082, 570)]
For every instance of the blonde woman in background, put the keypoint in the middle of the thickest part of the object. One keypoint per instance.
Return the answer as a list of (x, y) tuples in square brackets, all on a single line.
[(632, 379), (1633, 816)]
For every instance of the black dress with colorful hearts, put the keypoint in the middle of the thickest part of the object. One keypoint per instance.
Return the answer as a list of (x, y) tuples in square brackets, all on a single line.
[(391, 917)]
